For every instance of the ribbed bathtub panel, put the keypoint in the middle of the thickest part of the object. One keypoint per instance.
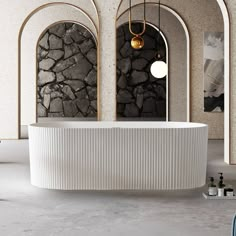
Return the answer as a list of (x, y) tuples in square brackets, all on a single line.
[(118, 158)]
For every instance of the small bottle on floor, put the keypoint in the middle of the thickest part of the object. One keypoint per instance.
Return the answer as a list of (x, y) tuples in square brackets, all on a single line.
[(212, 190), (221, 186)]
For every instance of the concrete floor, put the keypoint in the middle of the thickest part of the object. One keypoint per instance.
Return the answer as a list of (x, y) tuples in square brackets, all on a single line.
[(26, 210)]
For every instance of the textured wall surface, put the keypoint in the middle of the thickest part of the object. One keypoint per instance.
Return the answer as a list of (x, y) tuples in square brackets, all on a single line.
[(231, 4), (199, 15), (140, 96), (67, 72)]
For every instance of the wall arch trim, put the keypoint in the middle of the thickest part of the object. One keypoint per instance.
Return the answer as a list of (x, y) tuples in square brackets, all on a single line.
[(227, 82), (27, 19)]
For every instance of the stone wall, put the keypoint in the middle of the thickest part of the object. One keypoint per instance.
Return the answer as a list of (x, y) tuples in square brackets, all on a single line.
[(67, 72), (139, 94)]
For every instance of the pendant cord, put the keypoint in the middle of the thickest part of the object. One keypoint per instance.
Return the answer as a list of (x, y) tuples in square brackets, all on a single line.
[(159, 26), (144, 9), (130, 18)]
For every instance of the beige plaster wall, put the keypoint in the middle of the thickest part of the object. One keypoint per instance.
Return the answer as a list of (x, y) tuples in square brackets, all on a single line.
[(231, 4), (199, 15)]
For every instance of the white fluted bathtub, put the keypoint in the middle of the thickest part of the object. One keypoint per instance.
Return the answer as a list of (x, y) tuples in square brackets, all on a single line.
[(118, 155)]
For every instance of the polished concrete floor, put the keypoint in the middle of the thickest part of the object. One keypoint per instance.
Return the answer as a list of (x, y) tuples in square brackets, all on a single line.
[(26, 210)]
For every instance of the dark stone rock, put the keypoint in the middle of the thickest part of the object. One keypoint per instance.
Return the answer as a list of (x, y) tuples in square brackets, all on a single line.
[(62, 65), (137, 53), (56, 54), (91, 112), (86, 46), (42, 112), (120, 41), (60, 77), (44, 41), (68, 92), (150, 42), (91, 78), (42, 53), (45, 77), (46, 64), (149, 105), (160, 91), (79, 114), (82, 94), (70, 109), (45, 90), (122, 82), (76, 33), (56, 105), (139, 64), (138, 90), (55, 42), (161, 108), (139, 100), (82, 104), (124, 96), (92, 93), (120, 107), (92, 56), (79, 70), (56, 94), (71, 50), (68, 25), (76, 85), (120, 32), (138, 77), (67, 39), (148, 54), (46, 100), (131, 110), (58, 29), (148, 94), (124, 65), (126, 50), (94, 104)]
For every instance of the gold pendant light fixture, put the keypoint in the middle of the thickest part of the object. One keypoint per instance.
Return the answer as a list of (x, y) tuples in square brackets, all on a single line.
[(137, 42), (159, 67)]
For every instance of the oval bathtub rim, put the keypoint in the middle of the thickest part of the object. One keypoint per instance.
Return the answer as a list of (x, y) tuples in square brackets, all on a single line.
[(117, 124)]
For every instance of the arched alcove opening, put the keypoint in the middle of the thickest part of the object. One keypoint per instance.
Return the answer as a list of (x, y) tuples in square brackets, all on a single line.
[(31, 30), (176, 33), (140, 96), (67, 73)]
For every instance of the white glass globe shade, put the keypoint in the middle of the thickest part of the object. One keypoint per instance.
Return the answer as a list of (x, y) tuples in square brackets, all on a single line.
[(159, 69)]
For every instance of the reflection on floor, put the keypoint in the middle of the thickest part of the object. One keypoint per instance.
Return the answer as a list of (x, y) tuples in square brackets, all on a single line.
[(26, 210)]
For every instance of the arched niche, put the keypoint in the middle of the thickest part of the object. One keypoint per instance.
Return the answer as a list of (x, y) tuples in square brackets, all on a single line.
[(66, 73), (140, 96), (177, 37), (30, 32)]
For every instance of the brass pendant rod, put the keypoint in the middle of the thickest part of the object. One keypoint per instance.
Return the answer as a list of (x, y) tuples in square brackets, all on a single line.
[(130, 20)]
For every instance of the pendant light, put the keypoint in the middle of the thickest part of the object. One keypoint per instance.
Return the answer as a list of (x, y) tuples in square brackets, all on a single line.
[(137, 42), (159, 67)]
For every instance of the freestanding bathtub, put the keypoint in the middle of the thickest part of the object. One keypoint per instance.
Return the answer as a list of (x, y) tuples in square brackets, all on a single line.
[(118, 155)]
